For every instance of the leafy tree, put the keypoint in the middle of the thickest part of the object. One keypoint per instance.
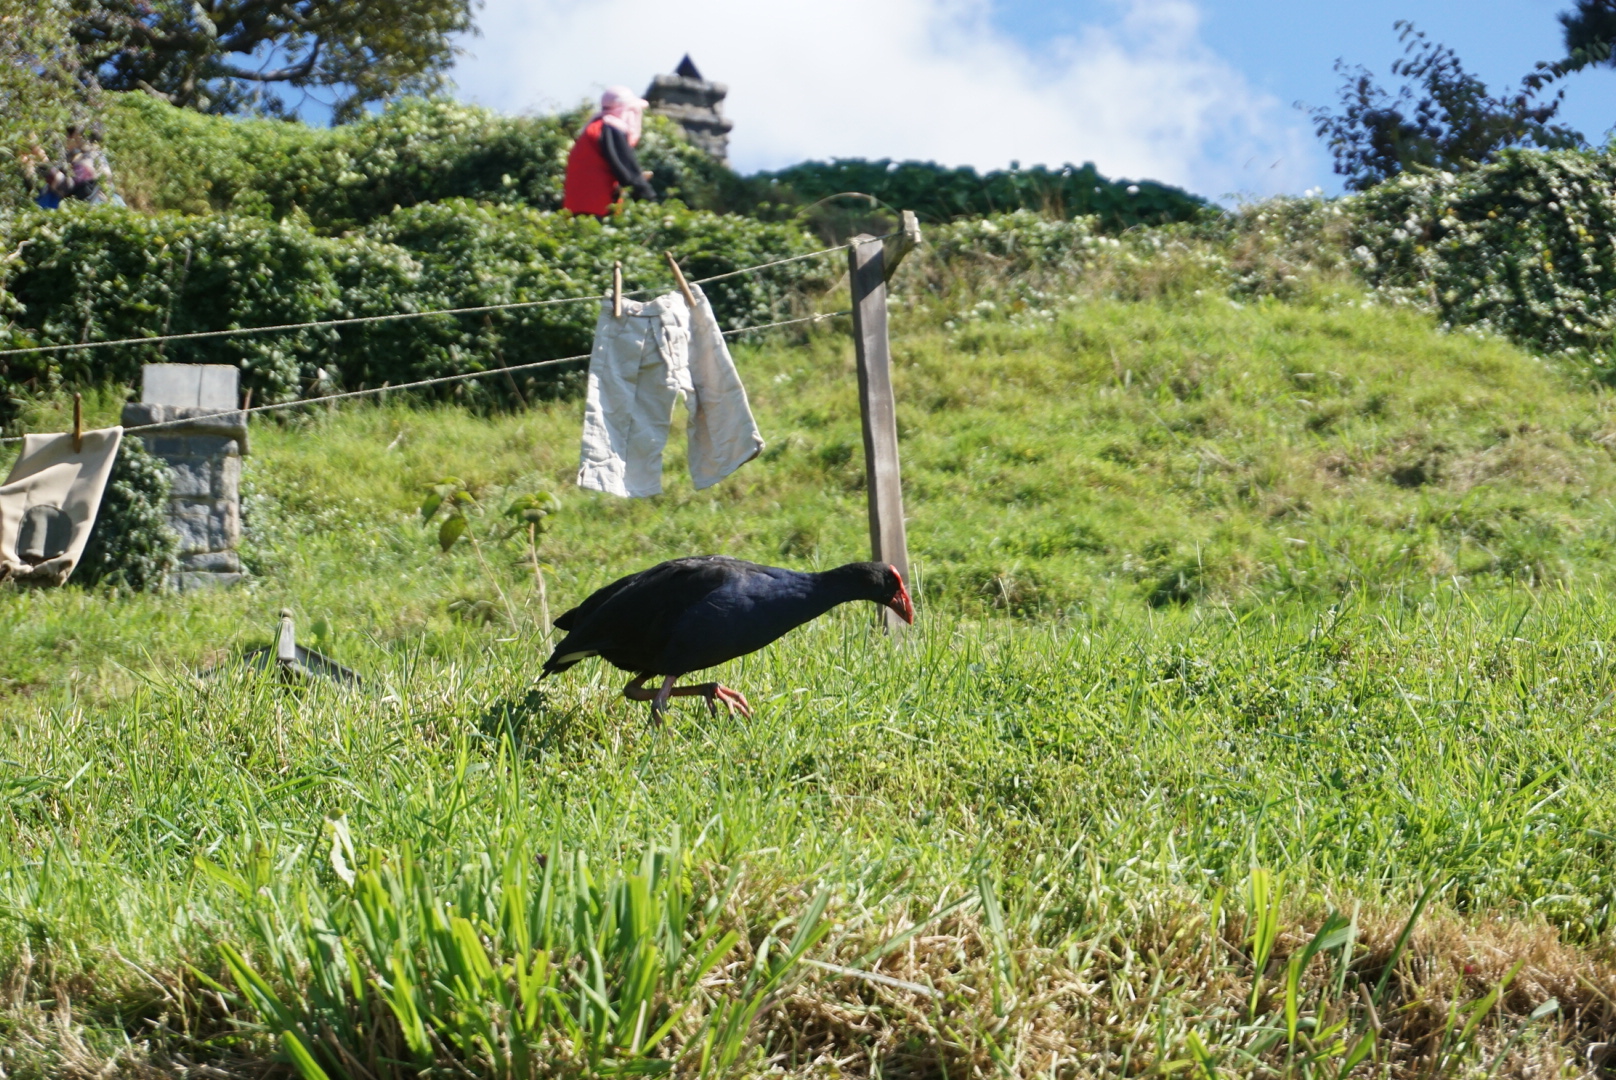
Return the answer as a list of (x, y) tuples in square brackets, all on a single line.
[(1441, 118), (227, 56), (41, 91), (1590, 33)]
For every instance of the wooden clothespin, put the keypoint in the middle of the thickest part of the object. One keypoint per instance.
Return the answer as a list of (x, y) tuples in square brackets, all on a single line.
[(78, 423), (679, 279), (617, 289)]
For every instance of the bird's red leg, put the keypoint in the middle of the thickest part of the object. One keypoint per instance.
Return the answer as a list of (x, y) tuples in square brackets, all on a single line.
[(717, 693), (659, 704), (637, 691), (658, 699)]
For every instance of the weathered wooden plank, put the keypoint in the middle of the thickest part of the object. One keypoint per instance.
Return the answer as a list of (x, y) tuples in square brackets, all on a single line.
[(878, 409)]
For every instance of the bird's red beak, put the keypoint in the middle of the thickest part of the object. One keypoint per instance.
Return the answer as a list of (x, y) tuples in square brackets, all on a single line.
[(901, 603)]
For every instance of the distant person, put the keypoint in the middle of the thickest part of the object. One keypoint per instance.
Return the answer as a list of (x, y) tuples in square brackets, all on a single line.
[(602, 161), (90, 173), (57, 187), (86, 177)]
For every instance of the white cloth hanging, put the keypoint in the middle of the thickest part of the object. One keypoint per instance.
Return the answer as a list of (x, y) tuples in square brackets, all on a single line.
[(640, 364), (49, 503), (637, 368)]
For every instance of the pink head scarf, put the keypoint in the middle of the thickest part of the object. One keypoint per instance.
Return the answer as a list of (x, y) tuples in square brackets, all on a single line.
[(623, 109)]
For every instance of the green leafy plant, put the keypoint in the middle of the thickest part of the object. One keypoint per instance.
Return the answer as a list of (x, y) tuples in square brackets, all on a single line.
[(455, 500), (212, 58), (940, 194), (131, 545), (1521, 248), (529, 515), (416, 151)]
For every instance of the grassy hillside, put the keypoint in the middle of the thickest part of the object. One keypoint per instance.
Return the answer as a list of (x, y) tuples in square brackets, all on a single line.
[(1239, 624), (1055, 466)]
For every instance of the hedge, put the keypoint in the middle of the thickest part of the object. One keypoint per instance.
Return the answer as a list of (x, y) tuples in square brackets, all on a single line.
[(421, 151), (1525, 247), (939, 194), (334, 179), (104, 273)]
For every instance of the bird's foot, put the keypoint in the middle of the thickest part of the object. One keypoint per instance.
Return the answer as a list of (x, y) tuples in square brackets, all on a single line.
[(733, 700)]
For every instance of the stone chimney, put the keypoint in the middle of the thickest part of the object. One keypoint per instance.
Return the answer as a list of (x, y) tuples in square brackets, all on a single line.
[(695, 105)]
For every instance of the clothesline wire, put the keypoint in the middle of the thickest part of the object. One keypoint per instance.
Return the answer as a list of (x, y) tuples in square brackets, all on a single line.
[(437, 380), (356, 320)]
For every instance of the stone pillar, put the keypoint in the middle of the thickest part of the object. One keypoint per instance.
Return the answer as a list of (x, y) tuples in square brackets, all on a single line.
[(695, 105), (203, 440)]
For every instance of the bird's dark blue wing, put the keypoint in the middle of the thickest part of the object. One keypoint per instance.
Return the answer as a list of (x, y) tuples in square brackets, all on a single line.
[(632, 621)]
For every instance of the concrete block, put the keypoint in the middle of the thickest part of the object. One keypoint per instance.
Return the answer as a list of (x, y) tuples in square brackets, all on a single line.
[(168, 447), (205, 525), (204, 478), (209, 446), (191, 581), (205, 386), (211, 562), (186, 420), (227, 480), (228, 525), (220, 387), (191, 522), (193, 477)]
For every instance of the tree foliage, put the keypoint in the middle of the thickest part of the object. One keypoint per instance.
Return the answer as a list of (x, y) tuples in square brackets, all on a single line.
[(227, 56), (1442, 117), (41, 89), (1590, 33)]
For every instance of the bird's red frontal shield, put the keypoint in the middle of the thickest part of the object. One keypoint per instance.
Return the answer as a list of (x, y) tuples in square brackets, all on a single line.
[(901, 602)]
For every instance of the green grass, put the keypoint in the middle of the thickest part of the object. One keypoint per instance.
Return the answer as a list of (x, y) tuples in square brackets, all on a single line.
[(1238, 625)]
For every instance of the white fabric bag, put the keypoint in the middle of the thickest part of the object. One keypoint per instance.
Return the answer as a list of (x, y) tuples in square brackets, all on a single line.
[(49, 503)]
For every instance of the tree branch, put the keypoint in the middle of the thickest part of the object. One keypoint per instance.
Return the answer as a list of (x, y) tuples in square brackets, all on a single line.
[(290, 73)]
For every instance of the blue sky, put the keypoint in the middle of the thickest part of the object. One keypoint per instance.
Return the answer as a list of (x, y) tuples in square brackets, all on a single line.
[(1195, 92), (1289, 49)]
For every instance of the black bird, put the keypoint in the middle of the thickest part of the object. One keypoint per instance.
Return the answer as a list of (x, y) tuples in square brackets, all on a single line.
[(688, 614)]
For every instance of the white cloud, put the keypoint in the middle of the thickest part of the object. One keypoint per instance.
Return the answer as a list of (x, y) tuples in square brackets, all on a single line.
[(1140, 96)]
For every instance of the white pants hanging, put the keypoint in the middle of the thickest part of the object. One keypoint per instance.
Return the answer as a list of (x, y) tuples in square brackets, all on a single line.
[(640, 364), (723, 435), (638, 367)]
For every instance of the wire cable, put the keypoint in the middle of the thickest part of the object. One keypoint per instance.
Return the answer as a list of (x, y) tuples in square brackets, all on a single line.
[(357, 320), (435, 381)]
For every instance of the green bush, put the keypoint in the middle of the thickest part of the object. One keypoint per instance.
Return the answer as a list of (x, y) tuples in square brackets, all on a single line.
[(131, 545), (421, 151), (1525, 247), (938, 194), (104, 273), (334, 179)]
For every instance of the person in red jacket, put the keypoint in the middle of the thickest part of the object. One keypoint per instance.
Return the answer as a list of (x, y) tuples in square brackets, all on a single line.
[(602, 159)]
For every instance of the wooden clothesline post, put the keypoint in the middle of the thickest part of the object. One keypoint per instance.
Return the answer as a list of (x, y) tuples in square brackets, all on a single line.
[(870, 263)]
